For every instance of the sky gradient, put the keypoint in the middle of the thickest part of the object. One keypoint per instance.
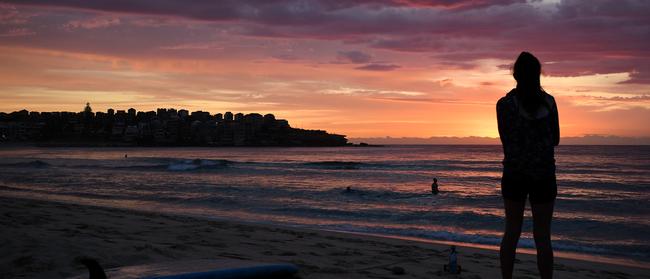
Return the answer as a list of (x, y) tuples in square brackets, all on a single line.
[(370, 68)]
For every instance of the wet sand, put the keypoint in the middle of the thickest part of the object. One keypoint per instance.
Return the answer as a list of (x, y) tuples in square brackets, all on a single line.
[(41, 239)]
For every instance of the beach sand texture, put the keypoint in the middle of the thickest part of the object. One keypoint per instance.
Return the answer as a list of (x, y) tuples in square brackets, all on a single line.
[(41, 239)]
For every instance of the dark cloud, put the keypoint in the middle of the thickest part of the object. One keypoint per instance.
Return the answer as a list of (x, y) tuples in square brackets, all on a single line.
[(364, 15), (410, 44), (453, 4), (641, 74), (354, 56), (228, 9), (633, 9), (378, 67), (201, 9), (579, 37), (285, 56)]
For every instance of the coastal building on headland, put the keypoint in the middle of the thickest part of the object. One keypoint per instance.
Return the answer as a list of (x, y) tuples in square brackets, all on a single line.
[(163, 127)]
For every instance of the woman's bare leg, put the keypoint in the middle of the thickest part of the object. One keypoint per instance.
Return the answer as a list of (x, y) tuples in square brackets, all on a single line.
[(514, 218), (542, 215)]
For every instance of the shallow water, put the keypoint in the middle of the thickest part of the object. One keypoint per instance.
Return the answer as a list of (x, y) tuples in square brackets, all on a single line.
[(602, 206)]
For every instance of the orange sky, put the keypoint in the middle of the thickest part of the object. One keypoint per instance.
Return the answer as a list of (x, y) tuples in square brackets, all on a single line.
[(370, 82)]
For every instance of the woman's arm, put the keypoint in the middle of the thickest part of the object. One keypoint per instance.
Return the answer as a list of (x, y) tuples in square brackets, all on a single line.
[(501, 122), (556, 125)]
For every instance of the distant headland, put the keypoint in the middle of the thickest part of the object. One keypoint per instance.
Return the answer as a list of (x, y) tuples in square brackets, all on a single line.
[(163, 127)]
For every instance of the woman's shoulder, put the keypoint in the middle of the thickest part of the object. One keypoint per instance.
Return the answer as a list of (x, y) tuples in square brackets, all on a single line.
[(548, 95), (549, 99), (506, 100)]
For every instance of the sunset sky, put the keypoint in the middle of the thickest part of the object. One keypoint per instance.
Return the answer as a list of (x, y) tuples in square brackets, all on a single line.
[(369, 68)]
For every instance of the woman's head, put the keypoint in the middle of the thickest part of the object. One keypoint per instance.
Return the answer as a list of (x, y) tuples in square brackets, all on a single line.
[(526, 71)]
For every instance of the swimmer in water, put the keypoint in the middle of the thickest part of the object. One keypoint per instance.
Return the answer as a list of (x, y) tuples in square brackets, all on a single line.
[(434, 187)]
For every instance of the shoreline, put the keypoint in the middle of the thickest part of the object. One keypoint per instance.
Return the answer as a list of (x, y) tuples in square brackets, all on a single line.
[(528, 251), (105, 204), (127, 237)]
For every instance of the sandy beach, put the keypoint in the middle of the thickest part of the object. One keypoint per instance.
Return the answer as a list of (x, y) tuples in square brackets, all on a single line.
[(41, 239)]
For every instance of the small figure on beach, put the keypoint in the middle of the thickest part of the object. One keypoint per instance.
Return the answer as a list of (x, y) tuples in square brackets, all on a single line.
[(453, 266), (126, 155), (434, 187), (348, 189)]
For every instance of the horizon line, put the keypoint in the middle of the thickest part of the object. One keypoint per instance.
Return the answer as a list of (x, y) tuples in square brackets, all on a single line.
[(590, 139)]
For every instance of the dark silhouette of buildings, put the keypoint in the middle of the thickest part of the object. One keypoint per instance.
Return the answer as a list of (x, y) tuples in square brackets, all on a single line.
[(163, 127)]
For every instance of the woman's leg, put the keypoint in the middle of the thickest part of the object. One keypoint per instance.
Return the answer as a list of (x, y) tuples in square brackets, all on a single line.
[(542, 215), (514, 218)]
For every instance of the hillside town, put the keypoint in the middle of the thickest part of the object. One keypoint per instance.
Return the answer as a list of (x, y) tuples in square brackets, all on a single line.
[(163, 127)]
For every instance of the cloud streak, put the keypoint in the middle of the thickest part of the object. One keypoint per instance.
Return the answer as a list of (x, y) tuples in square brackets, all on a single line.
[(93, 23), (378, 67), (354, 56)]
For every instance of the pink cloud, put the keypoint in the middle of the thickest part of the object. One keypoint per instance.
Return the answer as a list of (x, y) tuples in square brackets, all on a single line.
[(580, 37), (93, 23), (10, 15), (17, 32)]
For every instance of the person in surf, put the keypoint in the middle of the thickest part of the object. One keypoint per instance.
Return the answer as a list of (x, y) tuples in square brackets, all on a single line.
[(434, 187)]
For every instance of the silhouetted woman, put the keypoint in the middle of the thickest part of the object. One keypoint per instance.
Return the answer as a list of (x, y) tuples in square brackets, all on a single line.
[(529, 131)]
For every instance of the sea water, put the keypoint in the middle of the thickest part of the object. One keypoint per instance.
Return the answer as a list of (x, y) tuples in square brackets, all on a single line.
[(603, 203)]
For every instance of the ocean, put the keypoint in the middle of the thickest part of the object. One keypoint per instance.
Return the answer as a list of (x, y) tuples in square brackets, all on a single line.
[(603, 204)]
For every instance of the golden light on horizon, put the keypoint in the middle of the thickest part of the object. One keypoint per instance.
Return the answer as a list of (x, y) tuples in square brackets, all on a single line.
[(366, 83)]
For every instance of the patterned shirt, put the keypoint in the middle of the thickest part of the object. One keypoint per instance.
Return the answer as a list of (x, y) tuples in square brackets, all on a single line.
[(528, 140)]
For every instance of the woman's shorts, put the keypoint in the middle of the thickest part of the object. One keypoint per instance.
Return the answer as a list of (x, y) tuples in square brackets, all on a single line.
[(517, 186)]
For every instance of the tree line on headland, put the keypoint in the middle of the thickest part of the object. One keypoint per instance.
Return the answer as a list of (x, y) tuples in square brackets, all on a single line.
[(163, 127)]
